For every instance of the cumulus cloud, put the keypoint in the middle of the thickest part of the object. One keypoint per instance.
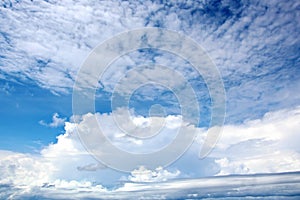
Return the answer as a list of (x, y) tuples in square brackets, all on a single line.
[(263, 145), (56, 121), (121, 129), (58, 160), (67, 159), (24, 170), (267, 145), (64, 166), (257, 146)]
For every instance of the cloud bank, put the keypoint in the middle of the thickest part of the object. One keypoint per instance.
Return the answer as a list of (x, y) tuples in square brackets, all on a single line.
[(267, 145), (269, 186)]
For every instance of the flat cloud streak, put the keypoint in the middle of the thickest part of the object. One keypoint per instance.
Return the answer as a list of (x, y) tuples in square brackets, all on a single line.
[(279, 186)]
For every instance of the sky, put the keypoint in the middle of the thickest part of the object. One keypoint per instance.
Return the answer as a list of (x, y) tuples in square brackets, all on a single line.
[(211, 86)]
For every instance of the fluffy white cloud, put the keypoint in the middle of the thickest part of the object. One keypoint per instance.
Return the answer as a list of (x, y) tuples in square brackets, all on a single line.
[(56, 161), (139, 134), (269, 145), (24, 170), (258, 146), (67, 163)]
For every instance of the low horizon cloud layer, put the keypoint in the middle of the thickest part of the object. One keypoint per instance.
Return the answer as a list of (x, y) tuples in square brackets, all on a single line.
[(267, 145), (261, 186)]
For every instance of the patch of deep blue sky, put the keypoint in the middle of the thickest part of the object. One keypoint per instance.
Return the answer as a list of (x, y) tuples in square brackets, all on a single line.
[(272, 82), (23, 105)]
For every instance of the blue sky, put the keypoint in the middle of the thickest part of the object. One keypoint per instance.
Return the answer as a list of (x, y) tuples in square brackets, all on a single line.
[(24, 105), (254, 46)]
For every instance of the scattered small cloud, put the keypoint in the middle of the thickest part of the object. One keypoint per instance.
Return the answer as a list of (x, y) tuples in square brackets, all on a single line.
[(7, 88), (56, 121)]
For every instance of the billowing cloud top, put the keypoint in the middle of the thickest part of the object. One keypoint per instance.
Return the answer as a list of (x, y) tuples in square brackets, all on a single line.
[(259, 146)]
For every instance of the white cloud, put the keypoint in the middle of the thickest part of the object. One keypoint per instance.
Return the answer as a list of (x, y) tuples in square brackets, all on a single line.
[(254, 44), (136, 134), (255, 47), (56, 37), (54, 162), (63, 166), (279, 186), (56, 121), (23, 170), (268, 145), (158, 175), (67, 159), (279, 161), (217, 187), (270, 142)]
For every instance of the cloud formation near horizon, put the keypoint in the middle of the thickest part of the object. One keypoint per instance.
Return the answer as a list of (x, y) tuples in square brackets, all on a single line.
[(267, 145)]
